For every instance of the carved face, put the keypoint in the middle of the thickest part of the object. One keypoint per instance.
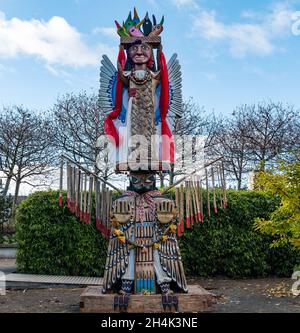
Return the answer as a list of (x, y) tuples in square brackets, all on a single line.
[(142, 182), (140, 54)]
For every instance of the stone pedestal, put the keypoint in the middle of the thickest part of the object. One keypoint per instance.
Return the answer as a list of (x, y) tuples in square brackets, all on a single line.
[(93, 301)]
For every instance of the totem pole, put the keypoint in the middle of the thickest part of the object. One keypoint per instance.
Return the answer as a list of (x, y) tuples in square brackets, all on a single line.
[(142, 98)]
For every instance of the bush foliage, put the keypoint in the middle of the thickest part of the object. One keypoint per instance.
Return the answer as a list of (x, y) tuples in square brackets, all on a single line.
[(284, 223), (227, 244), (53, 241)]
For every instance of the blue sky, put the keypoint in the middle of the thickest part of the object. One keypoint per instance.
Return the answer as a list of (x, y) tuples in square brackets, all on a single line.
[(231, 51)]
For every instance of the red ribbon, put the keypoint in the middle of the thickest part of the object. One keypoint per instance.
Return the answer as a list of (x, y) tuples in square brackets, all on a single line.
[(167, 137), (109, 126)]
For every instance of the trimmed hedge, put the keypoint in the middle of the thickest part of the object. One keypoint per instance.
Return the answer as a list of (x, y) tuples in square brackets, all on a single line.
[(228, 245), (53, 241)]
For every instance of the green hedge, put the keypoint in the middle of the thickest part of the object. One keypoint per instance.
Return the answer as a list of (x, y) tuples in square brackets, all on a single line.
[(228, 245), (53, 241)]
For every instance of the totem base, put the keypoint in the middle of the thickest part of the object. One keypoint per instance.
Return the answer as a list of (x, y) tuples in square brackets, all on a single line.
[(93, 301)]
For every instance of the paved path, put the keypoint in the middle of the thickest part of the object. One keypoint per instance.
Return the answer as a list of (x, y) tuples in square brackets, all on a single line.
[(27, 281), (48, 279), (271, 295)]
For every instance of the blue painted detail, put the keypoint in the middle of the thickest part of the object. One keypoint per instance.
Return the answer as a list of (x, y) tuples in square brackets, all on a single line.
[(152, 286), (157, 111), (171, 92), (149, 284), (138, 285), (123, 113), (113, 91)]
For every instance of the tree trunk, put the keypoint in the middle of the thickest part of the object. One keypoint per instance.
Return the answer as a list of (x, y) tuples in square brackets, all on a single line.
[(161, 177), (239, 184), (7, 183), (172, 175), (18, 183)]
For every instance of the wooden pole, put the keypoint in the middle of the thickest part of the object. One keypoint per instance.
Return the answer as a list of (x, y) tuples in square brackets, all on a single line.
[(191, 174), (92, 174), (61, 182)]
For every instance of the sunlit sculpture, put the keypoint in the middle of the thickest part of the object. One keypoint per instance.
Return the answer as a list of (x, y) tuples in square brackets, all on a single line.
[(142, 97), (142, 100)]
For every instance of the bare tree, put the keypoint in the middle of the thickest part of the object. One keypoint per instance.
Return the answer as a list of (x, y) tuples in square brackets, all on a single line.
[(256, 135), (271, 131), (195, 124), (25, 145), (79, 123), (231, 142)]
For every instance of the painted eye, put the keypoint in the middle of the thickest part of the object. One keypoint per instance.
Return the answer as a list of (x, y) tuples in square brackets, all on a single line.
[(134, 180), (150, 179), (133, 49)]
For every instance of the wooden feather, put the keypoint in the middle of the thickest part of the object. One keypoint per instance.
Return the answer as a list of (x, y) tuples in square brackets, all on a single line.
[(220, 187), (81, 198), (194, 202), (224, 186), (214, 190), (201, 200), (181, 210), (187, 206), (68, 185), (91, 184), (208, 194), (85, 198)]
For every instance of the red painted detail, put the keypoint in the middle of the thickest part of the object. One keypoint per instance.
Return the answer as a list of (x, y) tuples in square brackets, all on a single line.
[(132, 92), (188, 222), (168, 142), (110, 128), (60, 200)]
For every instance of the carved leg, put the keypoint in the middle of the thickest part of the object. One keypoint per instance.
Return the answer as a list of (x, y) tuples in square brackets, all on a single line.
[(168, 299), (127, 286), (121, 301)]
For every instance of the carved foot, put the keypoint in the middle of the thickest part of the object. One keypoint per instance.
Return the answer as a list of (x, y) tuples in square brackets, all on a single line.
[(121, 302), (168, 301)]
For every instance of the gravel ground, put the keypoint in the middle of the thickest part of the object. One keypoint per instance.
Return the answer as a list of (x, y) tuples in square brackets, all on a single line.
[(271, 295)]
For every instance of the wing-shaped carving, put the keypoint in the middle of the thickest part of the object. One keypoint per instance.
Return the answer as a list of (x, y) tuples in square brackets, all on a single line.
[(171, 262), (108, 84), (117, 259), (175, 83)]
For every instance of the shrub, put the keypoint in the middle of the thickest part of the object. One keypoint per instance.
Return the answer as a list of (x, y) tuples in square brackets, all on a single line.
[(227, 244), (53, 241)]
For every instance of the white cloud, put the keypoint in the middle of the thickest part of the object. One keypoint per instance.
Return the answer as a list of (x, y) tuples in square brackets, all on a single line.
[(257, 35), (185, 3), (153, 3), (106, 31), (54, 41)]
